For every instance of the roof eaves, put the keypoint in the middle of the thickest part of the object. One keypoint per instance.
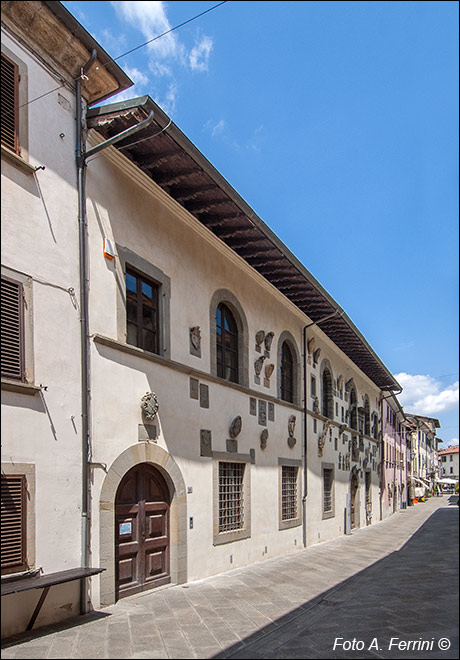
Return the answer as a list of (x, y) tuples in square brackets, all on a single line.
[(71, 23), (147, 104)]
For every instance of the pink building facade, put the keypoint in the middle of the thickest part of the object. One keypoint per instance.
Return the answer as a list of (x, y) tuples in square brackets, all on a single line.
[(393, 484)]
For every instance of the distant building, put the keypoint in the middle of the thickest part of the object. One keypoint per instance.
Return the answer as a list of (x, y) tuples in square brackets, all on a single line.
[(421, 435), (449, 463)]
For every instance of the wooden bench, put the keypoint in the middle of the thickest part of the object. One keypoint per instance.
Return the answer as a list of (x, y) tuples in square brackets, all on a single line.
[(45, 582)]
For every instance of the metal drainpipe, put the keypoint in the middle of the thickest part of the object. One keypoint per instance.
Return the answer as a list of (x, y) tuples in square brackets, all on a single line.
[(81, 156), (84, 330), (305, 422)]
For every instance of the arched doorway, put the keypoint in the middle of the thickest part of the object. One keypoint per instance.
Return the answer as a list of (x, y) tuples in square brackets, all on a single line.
[(354, 501), (142, 531)]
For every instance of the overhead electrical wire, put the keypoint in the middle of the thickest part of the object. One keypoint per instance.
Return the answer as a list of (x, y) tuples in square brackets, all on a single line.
[(114, 59)]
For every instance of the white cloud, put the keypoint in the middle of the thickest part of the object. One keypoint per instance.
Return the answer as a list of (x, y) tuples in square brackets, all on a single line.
[(199, 55), (137, 76), (169, 101), (214, 128), (150, 19), (425, 395), (115, 45), (164, 55)]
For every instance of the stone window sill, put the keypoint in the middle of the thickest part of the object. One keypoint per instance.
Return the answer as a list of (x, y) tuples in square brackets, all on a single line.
[(20, 388), (16, 160)]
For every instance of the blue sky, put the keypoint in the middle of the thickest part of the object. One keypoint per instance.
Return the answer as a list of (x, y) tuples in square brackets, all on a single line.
[(338, 123)]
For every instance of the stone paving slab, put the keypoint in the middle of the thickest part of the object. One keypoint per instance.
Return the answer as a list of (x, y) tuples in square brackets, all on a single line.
[(392, 579)]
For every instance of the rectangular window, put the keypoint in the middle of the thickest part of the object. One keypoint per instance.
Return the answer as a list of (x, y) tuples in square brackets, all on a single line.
[(9, 104), (315, 426), (13, 523), (12, 330), (142, 313), (313, 386), (327, 490), (289, 492), (231, 496)]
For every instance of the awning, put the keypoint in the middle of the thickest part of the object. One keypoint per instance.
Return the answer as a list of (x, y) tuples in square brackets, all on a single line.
[(421, 481)]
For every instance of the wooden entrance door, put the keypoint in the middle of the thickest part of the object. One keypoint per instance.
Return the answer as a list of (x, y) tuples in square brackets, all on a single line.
[(354, 513), (368, 499), (141, 531)]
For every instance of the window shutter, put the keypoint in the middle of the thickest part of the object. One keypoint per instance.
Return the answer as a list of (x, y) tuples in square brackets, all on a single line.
[(9, 104), (12, 330), (13, 526)]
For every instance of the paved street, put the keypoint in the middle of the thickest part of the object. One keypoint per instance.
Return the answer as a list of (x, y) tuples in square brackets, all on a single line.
[(393, 583)]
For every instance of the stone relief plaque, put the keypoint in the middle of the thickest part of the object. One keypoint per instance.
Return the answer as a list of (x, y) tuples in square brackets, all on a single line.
[(194, 388), (291, 425), (262, 412), (322, 439), (232, 445), (204, 396), (252, 406), (195, 341), (258, 364), (235, 427), (291, 442), (205, 443), (149, 405), (263, 439), (268, 342), (271, 411), (260, 336), (147, 433)]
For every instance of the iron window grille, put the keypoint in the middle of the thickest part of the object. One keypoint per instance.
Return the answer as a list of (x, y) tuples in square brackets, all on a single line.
[(327, 497), (231, 496), (289, 492)]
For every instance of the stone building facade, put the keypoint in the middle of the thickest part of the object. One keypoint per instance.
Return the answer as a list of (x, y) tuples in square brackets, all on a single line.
[(231, 409)]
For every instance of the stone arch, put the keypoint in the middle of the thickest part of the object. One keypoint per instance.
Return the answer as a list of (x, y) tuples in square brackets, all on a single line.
[(143, 452), (287, 337), (228, 298), (327, 389)]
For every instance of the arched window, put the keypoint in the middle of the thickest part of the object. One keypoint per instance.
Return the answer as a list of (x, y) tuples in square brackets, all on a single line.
[(353, 409), (327, 403), (287, 373), (226, 344), (367, 416)]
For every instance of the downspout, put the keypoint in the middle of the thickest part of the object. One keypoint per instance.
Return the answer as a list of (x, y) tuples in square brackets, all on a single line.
[(81, 158), (84, 330), (305, 421)]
